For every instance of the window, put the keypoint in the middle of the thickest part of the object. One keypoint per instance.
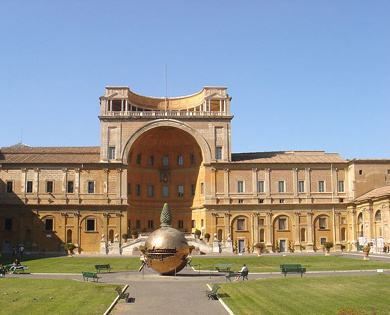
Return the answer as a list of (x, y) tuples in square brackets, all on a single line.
[(240, 200), (138, 190), (343, 220), (180, 224), (240, 186), (343, 234), (322, 240), (138, 159), (151, 160), (7, 224), (91, 187), (281, 186), (322, 223), (49, 187), (9, 187), (193, 224), (218, 153), (111, 153), (378, 216), (150, 191), (150, 224), (193, 187), (179, 160), (165, 191), (129, 188), (260, 186), (321, 186), (303, 235), (240, 224), (49, 224), (261, 221), (165, 160), (192, 159), (201, 188), (282, 224), (388, 172), (360, 172), (262, 236), (90, 225), (180, 190), (29, 186), (301, 186), (69, 187), (261, 200), (281, 200), (340, 186), (137, 224)]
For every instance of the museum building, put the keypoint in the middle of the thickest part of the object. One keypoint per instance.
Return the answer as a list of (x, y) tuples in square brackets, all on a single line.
[(178, 151)]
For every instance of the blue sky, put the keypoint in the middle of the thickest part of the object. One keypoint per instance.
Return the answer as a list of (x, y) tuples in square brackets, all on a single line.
[(303, 75)]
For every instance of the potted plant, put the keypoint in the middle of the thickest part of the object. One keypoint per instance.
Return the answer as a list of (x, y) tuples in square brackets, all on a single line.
[(276, 247), (197, 233), (69, 247), (291, 247), (125, 237), (327, 246), (259, 248), (366, 251), (134, 234), (207, 237)]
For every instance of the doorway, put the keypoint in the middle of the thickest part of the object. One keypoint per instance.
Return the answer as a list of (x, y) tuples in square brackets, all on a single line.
[(282, 245), (241, 246)]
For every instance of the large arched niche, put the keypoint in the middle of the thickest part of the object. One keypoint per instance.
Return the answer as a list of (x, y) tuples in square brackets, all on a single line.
[(199, 139), (164, 165)]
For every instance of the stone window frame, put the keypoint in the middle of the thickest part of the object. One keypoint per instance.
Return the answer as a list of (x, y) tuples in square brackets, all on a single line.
[(49, 186), (91, 187), (29, 186), (88, 220)]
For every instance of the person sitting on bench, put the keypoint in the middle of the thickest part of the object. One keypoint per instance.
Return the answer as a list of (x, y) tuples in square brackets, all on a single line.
[(244, 268)]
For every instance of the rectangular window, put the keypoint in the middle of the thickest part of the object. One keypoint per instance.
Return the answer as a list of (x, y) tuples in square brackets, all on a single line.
[(260, 186), (261, 221), (322, 240), (90, 225), (240, 200), (7, 224), (321, 186), (281, 186), (9, 187), (281, 200), (138, 159), (193, 187), (193, 224), (343, 220), (91, 187), (165, 191), (360, 172), (49, 187), (218, 153), (69, 187), (301, 186), (180, 224), (341, 186), (192, 158), (150, 191), (180, 190), (150, 224), (129, 188), (240, 186), (49, 224), (29, 186), (165, 160), (179, 160), (138, 190), (261, 200), (322, 223), (240, 224), (282, 224), (137, 224), (151, 160), (111, 153)]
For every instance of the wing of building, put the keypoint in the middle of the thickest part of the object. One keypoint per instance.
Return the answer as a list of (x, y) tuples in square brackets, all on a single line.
[(178, 151)]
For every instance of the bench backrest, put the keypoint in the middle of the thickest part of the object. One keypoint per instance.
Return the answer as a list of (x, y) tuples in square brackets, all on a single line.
[(291, 266), (102, 266), (119, 290), (89, 274), (215, 288)]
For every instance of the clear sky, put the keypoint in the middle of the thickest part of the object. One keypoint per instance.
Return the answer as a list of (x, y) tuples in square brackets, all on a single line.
[(303, 75)]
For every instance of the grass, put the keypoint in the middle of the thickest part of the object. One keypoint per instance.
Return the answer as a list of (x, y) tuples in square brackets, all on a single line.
[(50, 296), (74, 264), (271, 263), (327, 295)]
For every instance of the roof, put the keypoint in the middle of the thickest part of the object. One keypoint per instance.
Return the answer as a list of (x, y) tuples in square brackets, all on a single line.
[(375, 193), (55, 155), (288, 157)]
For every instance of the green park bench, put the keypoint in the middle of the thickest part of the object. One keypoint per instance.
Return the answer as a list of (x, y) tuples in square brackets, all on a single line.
[(239, 274), (293, 268), (212, 294), (103, 267), (223, 267), (90, 275)]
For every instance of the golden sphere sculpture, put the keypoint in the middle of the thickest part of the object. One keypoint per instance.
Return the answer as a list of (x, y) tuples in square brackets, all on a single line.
[(166, 249)]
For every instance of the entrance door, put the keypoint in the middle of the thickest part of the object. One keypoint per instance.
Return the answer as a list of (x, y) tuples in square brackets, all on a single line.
[(282, 245), (241, 246)]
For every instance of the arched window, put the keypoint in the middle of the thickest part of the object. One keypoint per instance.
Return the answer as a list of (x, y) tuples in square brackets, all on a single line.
[(219, 235), (378, 216), (111, 236), (69, 236), (360, 218)]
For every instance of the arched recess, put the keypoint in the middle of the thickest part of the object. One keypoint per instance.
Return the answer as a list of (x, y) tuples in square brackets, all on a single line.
[(89, 238), (69, 236), (360, 224), (111, 236), (206, 150), (323, 229), (219, 235), (282, 231)]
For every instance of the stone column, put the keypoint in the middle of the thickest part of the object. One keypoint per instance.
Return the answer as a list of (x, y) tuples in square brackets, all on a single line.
[(297, 234), (78, 216), (228, 233), (255, 228), (269, 225), (310, 241), (295, 182), (308, 183), (352, 238), (336, 229), (226, 183), (77, 188), (267, 185), (64, 216), (105, 182), (369, 223), (23, 183), (64, 181), (119, 186), (254, 182), (213, 183), (36, 183)]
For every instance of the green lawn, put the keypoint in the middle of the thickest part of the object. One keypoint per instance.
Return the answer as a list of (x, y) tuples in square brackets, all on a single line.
[(49, 296), (296, 295), (75, 264), (271, 263)]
